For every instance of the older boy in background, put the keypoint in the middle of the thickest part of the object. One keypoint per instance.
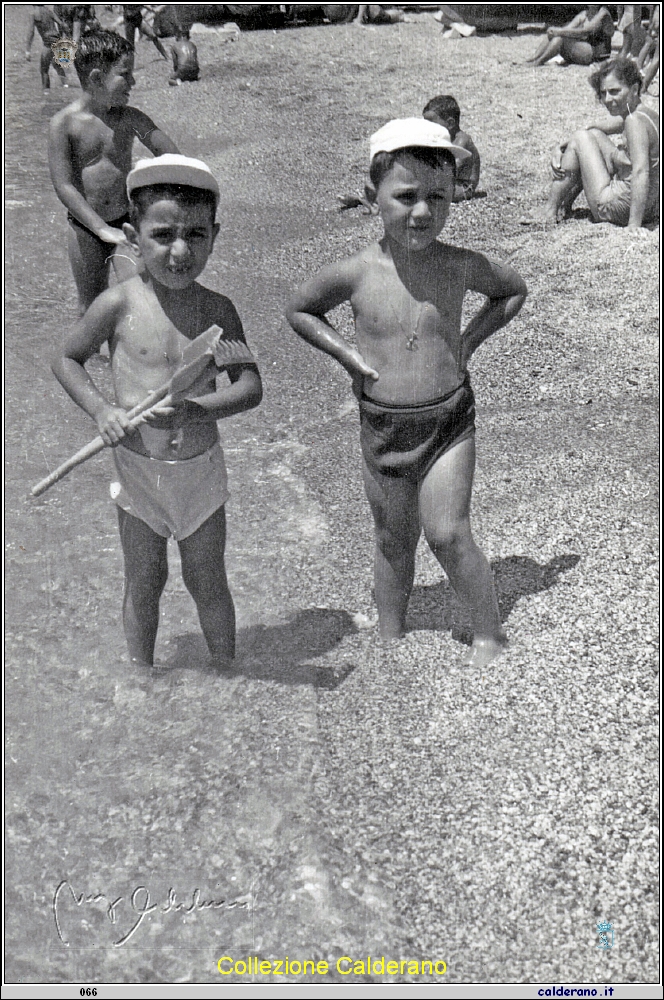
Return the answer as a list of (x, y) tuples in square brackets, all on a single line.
[(90, 144), (50, 30)]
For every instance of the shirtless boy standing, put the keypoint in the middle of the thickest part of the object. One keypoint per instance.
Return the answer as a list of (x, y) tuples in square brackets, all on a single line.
[(89, 154), (410, 373), (171, 473), (47, 25)]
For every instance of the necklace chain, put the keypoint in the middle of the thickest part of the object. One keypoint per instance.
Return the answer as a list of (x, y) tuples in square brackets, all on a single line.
[(411, 338)]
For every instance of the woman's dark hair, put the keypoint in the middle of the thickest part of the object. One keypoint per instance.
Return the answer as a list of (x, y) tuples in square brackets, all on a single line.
[(382, 163), (443, 106), (184, 194), (625, 69), (99, 50)]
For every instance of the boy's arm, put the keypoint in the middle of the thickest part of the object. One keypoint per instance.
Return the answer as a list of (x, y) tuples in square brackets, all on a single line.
[(574, 27), (60, 166), (151, 136), (31, 35), (506, 292), (86, 338), (244, 392), (306, 314), (475, 163)]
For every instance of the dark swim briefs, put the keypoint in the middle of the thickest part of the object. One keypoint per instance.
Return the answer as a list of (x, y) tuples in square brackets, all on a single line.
[(116, 224), (406, 441)]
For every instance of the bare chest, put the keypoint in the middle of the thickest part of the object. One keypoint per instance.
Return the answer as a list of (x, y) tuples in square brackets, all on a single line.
[(96, 143), (389, 310)]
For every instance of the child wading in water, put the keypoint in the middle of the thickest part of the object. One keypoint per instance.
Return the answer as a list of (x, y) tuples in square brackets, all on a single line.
[(445, 111), (89, 155), (410, 373), (171, 471)]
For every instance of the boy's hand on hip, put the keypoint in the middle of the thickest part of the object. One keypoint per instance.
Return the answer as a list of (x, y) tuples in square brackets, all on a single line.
[(113, 424), (110, 235), (358, 370), (356, 366)]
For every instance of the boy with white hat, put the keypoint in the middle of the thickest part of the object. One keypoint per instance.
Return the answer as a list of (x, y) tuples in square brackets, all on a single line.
[(171, 477), (410, 371)]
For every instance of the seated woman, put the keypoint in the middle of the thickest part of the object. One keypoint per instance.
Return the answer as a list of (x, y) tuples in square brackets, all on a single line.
[(621, 185), (585, 40)]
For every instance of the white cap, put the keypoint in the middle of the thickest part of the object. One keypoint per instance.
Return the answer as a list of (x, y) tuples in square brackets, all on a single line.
[(172, 168), (402, 133)]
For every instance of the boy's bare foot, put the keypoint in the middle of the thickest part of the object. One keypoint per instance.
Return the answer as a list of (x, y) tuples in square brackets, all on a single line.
[(221, 664), (390, 636), (483, 651), (543, 218)]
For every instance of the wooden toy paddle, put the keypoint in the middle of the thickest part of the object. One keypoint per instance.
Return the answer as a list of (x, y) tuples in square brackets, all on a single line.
[(208, 348)]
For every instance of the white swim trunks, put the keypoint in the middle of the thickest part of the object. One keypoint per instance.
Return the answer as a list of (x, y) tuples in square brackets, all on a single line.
[(173, 498)]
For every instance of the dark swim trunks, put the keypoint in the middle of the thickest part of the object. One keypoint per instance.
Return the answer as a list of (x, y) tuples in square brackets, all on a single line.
[(406, 441), (188, 74), (116, 224)]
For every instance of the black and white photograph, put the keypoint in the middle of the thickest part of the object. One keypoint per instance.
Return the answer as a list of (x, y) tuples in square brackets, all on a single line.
[(331, 342)]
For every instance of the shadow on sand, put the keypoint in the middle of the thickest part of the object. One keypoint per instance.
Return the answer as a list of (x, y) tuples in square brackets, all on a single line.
[(278, 652), (283, 653), (437, 607)]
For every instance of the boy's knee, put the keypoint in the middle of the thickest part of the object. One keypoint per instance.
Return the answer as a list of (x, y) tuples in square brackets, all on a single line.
[(205, 585), (448, 541), (148, 579), (395, 539)]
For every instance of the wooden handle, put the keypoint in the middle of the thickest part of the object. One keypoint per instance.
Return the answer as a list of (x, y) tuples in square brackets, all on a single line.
[(198, 353), (98, 444)]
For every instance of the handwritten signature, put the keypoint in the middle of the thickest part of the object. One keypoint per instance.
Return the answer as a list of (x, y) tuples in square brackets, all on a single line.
[(141, 906)]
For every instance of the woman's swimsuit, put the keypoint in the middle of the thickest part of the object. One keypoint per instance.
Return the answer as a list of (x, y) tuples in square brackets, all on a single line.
[(615, 201)]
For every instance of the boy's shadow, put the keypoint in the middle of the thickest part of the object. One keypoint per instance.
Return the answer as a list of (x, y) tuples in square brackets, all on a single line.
[(437, 607), (283, 653), (278, 652)]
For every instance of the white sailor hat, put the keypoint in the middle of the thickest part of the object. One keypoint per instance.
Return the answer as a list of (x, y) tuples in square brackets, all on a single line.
[(172, 168), (402, 133)]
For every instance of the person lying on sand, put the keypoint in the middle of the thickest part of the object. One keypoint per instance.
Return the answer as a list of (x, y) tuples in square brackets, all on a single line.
[(377, 13)]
